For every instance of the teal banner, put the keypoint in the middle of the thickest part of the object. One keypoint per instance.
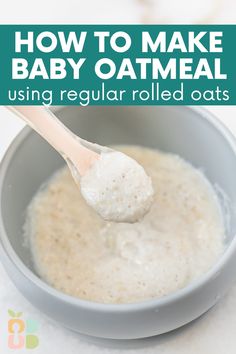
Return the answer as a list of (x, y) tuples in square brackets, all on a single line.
[(117, 65)]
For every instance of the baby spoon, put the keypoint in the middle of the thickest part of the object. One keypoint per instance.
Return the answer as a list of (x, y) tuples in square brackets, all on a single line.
[(112, 183)]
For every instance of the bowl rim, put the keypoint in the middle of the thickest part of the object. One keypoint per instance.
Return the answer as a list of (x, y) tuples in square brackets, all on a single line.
[(157, 303)]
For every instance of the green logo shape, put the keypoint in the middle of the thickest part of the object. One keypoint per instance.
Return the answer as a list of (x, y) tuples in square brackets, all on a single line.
[(31, 341), (13, 314)]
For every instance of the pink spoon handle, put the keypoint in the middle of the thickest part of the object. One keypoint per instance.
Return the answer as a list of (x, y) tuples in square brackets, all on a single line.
[(45, 123)]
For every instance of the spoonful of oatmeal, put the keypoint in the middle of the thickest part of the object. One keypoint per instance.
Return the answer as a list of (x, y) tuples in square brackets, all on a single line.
[(113, 184)]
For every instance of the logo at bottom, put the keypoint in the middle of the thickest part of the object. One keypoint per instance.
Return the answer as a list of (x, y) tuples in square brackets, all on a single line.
[(21, 333)]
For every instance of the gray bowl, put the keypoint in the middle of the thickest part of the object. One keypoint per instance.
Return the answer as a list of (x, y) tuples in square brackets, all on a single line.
[(192, 133)]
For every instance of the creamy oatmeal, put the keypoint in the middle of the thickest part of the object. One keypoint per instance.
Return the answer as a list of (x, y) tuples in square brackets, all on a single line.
[(178, 240), (118, 188)]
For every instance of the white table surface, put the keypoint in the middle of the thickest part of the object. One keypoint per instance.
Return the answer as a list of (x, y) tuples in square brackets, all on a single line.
[(213, 333), (216, 331)]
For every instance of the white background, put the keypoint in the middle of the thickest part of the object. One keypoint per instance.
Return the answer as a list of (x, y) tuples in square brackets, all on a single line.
[(214, 332)]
